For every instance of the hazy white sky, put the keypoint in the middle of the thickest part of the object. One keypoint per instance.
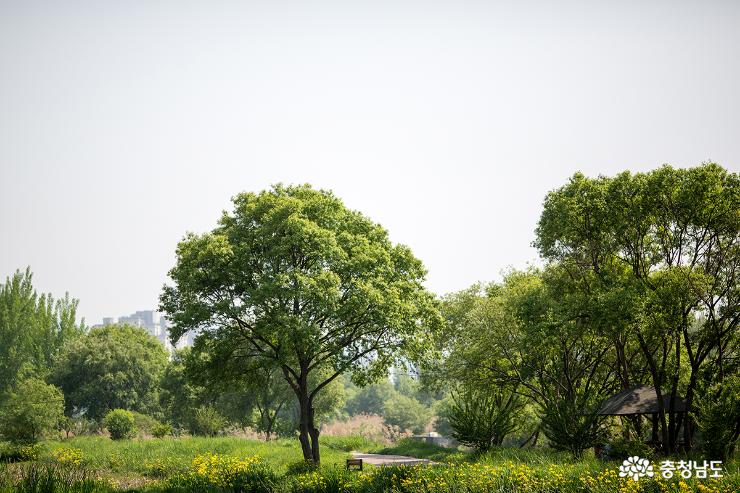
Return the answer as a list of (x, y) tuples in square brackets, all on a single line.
[(125, 124)]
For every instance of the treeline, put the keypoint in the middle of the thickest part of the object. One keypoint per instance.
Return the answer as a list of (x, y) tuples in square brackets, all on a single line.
[(302, 306), (639, 287), (60, 376)]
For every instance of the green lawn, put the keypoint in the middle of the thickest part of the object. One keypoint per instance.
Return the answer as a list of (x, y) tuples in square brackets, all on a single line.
[(155, 465), (138, 457)]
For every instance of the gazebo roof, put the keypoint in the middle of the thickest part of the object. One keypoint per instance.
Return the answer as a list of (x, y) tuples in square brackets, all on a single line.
[(641, 399)]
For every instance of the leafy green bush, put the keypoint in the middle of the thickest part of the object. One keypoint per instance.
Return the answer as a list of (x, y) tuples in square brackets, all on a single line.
[(33, 409), (482, 420), (571, 426), (143, 423), (161, 430), (120, 423), (718, 418), (207, 421)]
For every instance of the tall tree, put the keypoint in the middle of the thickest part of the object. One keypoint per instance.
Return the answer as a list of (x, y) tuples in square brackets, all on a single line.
[(293, 278), (32, 328)]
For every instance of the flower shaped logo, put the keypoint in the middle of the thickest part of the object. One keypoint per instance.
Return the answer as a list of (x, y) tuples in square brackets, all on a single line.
[(635, 468)]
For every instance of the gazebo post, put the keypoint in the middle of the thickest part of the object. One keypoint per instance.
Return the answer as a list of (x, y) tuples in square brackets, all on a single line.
[(654, 434)]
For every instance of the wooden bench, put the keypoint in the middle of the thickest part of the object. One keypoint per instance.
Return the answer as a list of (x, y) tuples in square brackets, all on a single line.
[(354, 464)]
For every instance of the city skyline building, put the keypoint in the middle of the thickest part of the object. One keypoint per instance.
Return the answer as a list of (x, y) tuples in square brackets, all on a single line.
[(155, 323)]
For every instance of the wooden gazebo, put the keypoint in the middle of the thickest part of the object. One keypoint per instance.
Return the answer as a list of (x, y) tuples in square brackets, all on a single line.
[(641, 400)]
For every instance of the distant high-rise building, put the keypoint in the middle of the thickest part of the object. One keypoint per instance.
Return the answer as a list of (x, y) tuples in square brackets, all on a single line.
[(156, 324)]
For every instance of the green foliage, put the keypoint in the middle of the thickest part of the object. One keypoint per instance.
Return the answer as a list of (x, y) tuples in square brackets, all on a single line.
[(33, 409), (482, 419), (116, 366), (718, 418), (407, 413), (571, 425), (32, 329), (654, 259), (161, 430), (144, 424), (294, 279), (207, 421), (370, 399), (120, 423), (620, 448)]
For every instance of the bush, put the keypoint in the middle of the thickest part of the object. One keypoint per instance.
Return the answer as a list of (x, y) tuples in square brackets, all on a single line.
[(32, 410), (207, 422), (718, 418), (120, 424), (143, 423), (161, 430), (482, 420), (571, 426)]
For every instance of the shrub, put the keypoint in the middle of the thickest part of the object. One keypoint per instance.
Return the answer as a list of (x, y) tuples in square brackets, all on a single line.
[(482, 420), (718, 417), (120, 424), (143, 423), (30, 411), (161, 430), (207, 421), (571, 426)]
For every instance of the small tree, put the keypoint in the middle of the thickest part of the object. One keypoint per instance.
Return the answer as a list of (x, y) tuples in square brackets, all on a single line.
[(207, 421), (481, 420), (31, 410), (120, 424)]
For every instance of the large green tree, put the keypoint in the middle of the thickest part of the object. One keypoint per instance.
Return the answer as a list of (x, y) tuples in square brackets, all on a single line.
[(293, 278), (111, 367)]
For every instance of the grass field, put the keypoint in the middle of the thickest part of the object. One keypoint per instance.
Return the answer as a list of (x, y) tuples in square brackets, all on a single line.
[(97, 464)]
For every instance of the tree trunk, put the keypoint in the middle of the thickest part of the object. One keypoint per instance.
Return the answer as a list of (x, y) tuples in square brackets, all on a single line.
[(308, 433)]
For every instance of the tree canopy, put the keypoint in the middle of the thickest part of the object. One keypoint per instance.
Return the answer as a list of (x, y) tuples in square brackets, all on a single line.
[(111, 367), (293, 278)]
